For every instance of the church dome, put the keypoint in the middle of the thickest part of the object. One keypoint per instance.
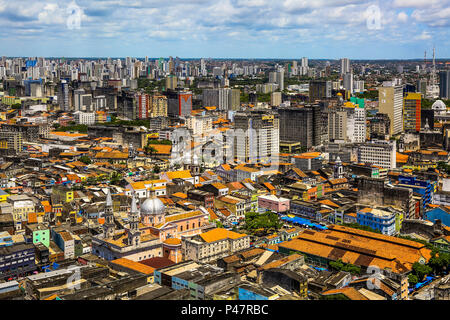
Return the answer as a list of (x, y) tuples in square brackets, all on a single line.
[(439, 105), (152, 206)]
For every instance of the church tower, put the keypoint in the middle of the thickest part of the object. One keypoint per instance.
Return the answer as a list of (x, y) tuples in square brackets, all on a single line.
[(338, 169), (134, 235), (109, 226)]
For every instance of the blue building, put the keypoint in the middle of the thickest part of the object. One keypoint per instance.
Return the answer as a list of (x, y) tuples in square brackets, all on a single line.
[(17, 260), (438, 214), (424, 188), (249, 292), (381, 220)]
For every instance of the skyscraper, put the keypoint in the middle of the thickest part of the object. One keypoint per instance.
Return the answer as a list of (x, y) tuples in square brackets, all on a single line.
[(345, 66), (301, 124), (260, 141), (319, 90), (278, 78), (348, 82), (391, 103), (63, 96), (444, 84), (412, 112)]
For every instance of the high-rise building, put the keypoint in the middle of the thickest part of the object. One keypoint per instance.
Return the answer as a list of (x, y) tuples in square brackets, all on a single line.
[(278, 78), (345, 66), (179, 103), (275, 99), (319, 90), (158, 106), (301, 124), (348, 82), (82, 101), (391, 103), (222, 98), (171, 82), (412, 112), (444, 84), (63, 96), (422, 86), (143, 103), (259, 142)]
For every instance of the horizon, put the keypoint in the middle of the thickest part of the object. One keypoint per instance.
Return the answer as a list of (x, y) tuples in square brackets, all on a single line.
[(248, 29)]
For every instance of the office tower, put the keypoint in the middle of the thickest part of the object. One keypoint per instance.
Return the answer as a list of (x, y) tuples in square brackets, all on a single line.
[(444, 84), (348, 82), (304, 66), (301, 124), (259, 141), (235, 101), (143, 103), (294, 68), (158, 106), (391, 103), (337, 125), (203, 70), (422, 86), (179, 103), (345, 66), (412, 112), (319, 90), (171, 82), (278, 78), (222, 98), (82, 101), (275, 99), (378, 152), (63, 96)]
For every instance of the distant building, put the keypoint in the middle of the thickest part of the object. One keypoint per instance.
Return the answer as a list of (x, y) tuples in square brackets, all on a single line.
[(391, 103)]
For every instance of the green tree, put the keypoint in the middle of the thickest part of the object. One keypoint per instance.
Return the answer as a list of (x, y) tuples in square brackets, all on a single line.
[(156, 169), (85, 159), (116, 177), (421, 270), (412, 279)]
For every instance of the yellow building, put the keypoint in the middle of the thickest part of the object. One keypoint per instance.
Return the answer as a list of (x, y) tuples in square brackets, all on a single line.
[(3, 195)]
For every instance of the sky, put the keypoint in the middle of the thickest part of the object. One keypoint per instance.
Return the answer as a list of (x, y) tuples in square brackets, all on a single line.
[(285, 29)]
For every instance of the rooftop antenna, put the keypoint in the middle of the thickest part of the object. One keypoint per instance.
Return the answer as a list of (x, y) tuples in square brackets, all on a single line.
[(433, 73)]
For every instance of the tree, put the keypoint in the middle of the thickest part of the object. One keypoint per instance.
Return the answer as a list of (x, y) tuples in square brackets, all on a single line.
[(116, 177), (412, 279), (85, 159), (421, 270), (336, 265), (156, 169)]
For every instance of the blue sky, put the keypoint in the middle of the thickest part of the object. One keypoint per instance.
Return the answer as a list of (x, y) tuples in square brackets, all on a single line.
[(323, 29)]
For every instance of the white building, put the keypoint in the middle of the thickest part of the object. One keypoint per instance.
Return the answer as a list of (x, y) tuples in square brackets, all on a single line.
[(87, 118), (378, 152)]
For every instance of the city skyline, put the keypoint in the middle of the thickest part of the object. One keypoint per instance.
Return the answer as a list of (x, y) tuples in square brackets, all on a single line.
[(400, 29)]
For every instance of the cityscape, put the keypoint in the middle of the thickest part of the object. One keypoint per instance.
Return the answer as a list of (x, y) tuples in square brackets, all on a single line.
[(192, 178)]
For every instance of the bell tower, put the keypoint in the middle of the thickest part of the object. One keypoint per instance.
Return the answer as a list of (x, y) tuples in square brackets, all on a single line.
[(109, 226), (134, 235)]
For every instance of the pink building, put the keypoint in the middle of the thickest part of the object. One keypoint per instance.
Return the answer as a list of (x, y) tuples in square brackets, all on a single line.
[(273, 203)]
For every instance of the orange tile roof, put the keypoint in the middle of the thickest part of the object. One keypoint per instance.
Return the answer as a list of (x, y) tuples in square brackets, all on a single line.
[(220, 234), (349, 292), (180, 195), (32, 217), (172, 241), (135, 266)]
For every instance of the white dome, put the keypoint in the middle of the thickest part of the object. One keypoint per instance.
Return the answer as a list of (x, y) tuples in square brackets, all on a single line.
[(152, 206), (439, 105)]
